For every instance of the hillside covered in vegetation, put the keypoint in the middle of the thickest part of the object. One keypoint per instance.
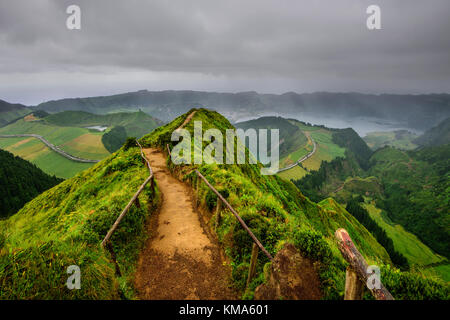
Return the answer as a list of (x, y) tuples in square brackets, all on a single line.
[(20, 181), (64, 226), (11, 111), (278, 212), (410, 188)]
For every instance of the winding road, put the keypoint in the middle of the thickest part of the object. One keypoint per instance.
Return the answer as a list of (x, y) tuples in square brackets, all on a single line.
[(51, 146), (301, 159)]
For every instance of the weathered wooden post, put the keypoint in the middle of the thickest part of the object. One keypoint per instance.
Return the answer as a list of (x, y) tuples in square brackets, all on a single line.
[(137, 203), (354, 288), (218, 207), (152, 184), (357, 273), (113, 256), (253, 261), (197, 188)]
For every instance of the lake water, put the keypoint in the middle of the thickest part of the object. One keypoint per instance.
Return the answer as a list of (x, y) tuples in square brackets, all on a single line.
[(98, 128)]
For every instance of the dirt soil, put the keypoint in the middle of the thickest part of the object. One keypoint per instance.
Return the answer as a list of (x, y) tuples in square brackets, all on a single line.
[(180, 260)]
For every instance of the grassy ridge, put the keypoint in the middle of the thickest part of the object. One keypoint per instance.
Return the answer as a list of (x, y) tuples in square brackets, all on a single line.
[(64, 226), (327, 150), (405, 242), (273, 208)]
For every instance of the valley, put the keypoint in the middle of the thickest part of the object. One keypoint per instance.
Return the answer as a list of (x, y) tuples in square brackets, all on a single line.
[(274, 209), (66, 145)]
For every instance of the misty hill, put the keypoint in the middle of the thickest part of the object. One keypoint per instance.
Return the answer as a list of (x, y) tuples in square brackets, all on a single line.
[(414, 111), (10, 112), (436, 136), (20, 181)]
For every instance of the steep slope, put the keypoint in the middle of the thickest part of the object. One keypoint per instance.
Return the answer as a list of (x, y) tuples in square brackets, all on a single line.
[(349, 139), (20, 181), (291, 138), (416, 192), (180, 246), (10, 112), (273, 208), (436, 136), (414, 111), (65, 225), (410, 187)]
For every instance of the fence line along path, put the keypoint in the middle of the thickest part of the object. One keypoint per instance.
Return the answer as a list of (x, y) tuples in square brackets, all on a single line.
[(181, 259)]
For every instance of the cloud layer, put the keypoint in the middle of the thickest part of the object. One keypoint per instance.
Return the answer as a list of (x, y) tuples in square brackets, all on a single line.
[(267, 46)]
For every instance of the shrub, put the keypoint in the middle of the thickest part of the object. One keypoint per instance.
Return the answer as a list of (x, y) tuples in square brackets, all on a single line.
[(313, 245)]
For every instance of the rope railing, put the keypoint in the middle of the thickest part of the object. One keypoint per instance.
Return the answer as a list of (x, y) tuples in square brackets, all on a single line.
[(134, 199)]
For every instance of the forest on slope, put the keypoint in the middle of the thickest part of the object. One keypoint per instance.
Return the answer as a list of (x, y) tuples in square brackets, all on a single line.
[(20, 181), (64, 225), (411, 187)]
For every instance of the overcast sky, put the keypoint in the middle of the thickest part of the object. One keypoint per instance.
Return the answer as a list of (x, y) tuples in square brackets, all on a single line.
[(229, 46)]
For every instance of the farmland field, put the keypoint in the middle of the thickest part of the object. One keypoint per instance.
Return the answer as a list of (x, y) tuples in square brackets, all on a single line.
[(35, 151), (326, 150)]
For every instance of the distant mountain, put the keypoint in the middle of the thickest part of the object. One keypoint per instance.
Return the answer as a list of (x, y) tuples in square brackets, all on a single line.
[(10, 112), (413, 111), (20, 181), (436, 136)]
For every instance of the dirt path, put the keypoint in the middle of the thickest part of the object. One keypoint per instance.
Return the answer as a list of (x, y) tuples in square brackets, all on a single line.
[(180, 260)]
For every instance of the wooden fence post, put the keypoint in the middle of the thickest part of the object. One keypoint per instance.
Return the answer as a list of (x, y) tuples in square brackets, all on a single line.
[(113, 256), (354, 288), (197, 187), (137, 203), (152, 185), (218, 207), (358, 274), (253, 261)]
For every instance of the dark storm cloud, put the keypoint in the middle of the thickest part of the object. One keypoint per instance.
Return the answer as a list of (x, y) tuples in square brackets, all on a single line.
[(268, 46)]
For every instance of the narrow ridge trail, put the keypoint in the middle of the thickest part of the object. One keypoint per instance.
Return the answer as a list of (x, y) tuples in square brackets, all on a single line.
[(180, 260)]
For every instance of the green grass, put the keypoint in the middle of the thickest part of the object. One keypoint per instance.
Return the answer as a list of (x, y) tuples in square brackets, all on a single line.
[(273, 208), (79, 142), (443, 271), (326, 150), (47, 160), (404, 242), (136, 124), (294, 173), (399, 139), (65, 225)]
